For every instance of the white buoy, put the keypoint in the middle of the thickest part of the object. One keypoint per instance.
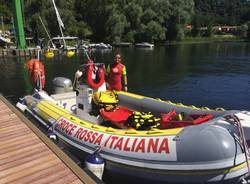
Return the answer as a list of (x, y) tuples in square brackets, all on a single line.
[(51, 134), (95, 163), (21, 106)]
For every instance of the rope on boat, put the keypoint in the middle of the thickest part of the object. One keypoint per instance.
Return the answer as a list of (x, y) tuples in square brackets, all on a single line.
[(242, 137), (220, 109), (192, 106)]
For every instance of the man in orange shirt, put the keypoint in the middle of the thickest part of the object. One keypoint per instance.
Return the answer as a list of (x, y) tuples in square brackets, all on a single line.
[(116, 72)]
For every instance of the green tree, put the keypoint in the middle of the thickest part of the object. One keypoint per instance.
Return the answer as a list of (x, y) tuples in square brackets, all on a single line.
[(209, 31), (233, 12), (133, 13), (242, 31), (115, 26), (180, 14), (96, 13), (45, 9), (152, 26), (5, 9), (154, 32), (248, 31), (112, 20)]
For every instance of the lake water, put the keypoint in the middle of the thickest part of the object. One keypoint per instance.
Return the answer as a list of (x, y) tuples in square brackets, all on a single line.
[(213, 75)]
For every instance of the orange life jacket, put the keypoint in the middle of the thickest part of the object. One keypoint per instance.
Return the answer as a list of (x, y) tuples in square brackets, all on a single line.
[(36, 71)]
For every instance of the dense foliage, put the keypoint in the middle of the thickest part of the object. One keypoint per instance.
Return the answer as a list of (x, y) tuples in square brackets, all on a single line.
[(131, 20), (5, 11), (135, 20), (233, 12)]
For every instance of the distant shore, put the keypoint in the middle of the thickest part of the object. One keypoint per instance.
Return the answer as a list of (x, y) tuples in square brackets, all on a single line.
[(214, 39), (187, 40)]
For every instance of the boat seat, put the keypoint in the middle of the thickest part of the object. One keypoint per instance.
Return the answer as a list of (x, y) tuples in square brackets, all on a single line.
[(117, 117)]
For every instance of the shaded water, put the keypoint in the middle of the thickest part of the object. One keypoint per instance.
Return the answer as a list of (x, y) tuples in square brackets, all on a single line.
[(213, 75)]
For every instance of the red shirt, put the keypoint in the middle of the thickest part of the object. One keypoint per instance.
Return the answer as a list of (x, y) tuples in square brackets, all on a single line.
[(115, 72)]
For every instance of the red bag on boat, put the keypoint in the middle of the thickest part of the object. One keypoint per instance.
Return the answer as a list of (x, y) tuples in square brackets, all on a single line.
[(172, 119), (117, 117)]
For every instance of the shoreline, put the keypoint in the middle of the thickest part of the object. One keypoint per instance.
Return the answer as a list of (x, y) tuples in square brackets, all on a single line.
[(200, 41), (4, 51)]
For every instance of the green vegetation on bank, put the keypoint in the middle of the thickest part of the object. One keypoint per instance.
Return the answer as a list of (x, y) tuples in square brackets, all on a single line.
[(215, 38), (200, 39), (157, 21)]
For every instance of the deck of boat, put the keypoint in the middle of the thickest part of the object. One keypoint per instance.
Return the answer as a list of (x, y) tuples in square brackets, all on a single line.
[(28, 156)]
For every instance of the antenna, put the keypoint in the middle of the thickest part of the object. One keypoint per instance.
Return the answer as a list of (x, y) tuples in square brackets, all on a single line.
[(46, 30), (60, 22)]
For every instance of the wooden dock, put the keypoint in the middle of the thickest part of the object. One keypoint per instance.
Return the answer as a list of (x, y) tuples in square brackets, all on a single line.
[(30, 53), (6, 53), (28, 156)]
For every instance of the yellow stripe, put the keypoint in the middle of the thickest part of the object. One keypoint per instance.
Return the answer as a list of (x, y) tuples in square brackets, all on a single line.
[(236, 167), (43, 115), (52, 110), (54, 107), (48, 111)]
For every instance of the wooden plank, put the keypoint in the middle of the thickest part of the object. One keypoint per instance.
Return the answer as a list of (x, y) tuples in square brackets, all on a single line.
[(12, 174), (20, 146), (10, 122), (7, 119), (17, 127), (14, 140), (8, 110), (23, 160), (17, 144), (23, 155), (74, 182), (52, 178), (19, 151), (41, 174), (35, 164), (28, 156), (8, 116), (10, 134), (67, 179)]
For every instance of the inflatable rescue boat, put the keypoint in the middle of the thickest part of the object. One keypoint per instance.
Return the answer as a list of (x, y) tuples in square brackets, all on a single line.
[(145, 137)]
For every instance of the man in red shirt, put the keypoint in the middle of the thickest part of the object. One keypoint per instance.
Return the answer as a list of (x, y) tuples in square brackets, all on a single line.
[(116, 72)]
